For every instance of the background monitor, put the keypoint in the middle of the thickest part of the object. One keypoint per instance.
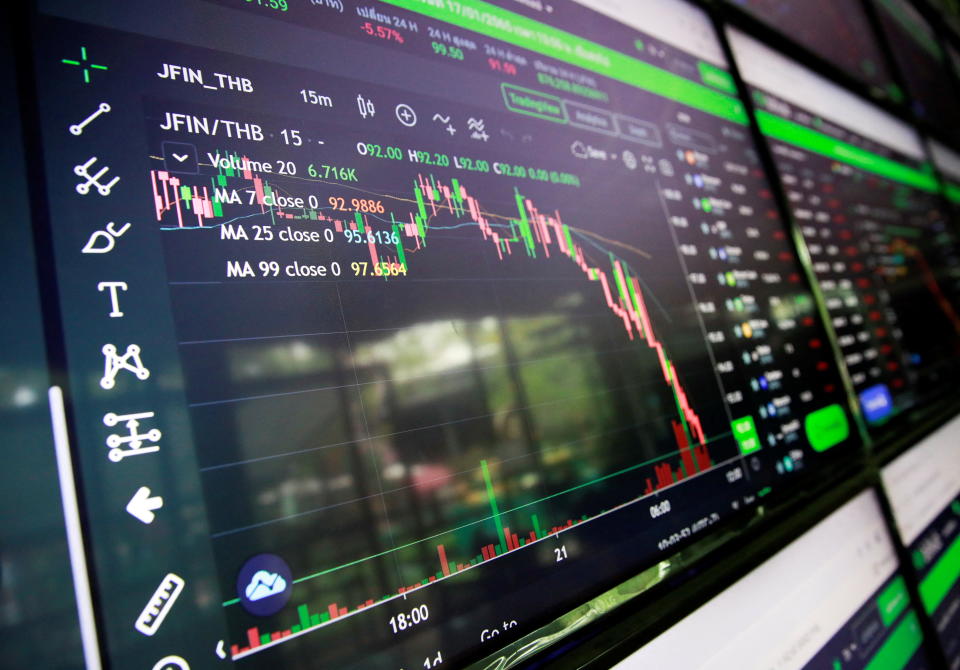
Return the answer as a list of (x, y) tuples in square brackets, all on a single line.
[(868, 206), (834, 598), (949, 11), (838, 31), (923, 486)]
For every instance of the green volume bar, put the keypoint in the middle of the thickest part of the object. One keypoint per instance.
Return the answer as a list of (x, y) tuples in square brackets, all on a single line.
[(501, 24), (806, 138), (494, 508)]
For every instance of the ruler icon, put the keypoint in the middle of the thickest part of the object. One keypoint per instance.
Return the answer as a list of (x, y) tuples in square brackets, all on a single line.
[(159, 605)]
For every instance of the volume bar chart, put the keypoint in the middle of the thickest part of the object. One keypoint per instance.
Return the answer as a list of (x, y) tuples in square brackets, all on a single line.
[(510, 540)]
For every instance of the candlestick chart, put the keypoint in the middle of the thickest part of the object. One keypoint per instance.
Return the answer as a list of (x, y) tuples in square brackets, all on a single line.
[(383, 238), (530, 230)]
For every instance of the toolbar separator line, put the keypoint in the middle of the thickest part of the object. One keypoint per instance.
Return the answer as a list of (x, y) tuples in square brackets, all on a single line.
[(71, 517)]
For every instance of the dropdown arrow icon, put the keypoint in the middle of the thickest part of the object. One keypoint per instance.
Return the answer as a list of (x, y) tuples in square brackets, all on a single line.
[(180, 157), (142, 505)]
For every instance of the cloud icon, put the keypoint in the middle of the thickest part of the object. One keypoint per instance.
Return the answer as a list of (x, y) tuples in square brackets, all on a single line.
[(264, 584)]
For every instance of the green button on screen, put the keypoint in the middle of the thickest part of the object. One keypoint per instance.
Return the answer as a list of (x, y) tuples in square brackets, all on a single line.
[(826, 427), (893, 601), (745, 432)]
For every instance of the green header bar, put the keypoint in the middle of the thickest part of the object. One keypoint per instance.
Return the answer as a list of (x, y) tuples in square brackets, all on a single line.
[(941, 578), (952, 191), (899, 648), (819, 143), (520, 31)]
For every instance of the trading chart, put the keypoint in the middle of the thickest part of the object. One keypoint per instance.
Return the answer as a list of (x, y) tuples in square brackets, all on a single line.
[(415, 326)]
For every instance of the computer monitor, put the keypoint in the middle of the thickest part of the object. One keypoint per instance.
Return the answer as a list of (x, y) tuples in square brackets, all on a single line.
[(390, 333), (923, 486), (868, 206), (834, 598)]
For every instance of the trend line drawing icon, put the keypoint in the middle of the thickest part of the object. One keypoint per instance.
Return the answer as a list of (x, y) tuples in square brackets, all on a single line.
[(264, 584), (77, 128)]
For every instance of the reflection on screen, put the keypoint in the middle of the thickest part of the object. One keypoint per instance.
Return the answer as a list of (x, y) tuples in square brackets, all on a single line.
[(950, 11), (832, 599), (38, 612), (922, 61), (923, 486), (869, 209), (947, 163), (395, 331), (836, 30)]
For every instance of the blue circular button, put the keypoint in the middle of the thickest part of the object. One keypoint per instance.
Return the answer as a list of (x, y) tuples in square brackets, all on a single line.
[(264, 584)]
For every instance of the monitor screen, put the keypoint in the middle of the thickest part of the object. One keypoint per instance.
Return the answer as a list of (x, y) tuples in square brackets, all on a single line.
[(392, 331), (923, 486), (836, 30), (869, 209), (834, 598), (923, 64)]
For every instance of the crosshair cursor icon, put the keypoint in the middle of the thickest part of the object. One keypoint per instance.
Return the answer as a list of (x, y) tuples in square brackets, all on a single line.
[(142, 505)]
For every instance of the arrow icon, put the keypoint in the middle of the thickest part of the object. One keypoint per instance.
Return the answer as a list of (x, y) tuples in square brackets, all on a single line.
[(141, 505), (221, 653), (180, 157)]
